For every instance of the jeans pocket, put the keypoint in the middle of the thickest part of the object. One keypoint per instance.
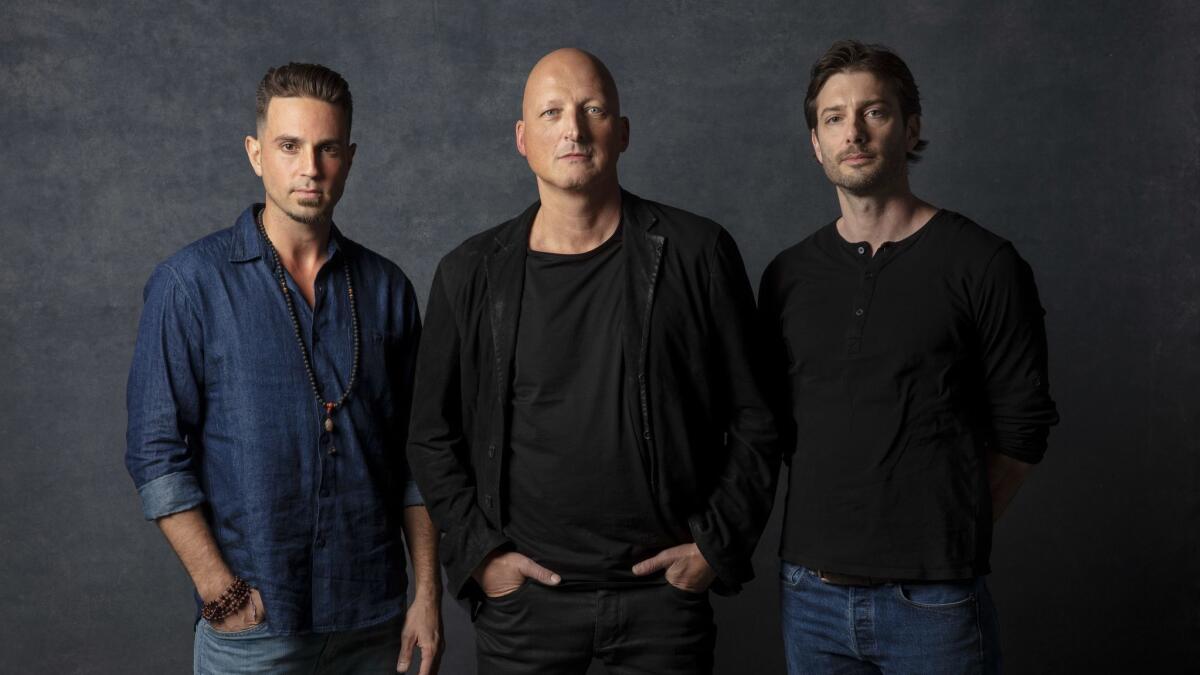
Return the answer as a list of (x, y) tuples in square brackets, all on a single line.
[(684, 594), (947, 595), (790, 574), (510, 597), (257, 628)]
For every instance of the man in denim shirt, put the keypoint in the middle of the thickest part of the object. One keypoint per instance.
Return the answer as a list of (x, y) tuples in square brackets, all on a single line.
[(268, 403)]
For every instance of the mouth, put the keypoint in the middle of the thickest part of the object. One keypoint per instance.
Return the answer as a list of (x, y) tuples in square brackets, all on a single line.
[(856, 158), (309, 193)]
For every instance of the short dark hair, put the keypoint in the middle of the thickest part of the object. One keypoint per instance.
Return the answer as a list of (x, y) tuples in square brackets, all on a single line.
[(848, 56), (307, 80)]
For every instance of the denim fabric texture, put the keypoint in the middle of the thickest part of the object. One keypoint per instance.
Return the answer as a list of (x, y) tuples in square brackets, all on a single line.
[(255, 650), (222, 416), (930, 628)]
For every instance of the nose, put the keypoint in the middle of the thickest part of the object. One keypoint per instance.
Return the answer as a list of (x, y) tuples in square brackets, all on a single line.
[(575, 127), (856, 131), (309, 164)]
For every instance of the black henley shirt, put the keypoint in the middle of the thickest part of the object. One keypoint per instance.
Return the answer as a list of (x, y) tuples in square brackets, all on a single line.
[(893, 373)]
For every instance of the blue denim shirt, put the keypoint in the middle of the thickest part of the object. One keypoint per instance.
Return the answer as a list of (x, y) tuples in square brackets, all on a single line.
[(222, 415)]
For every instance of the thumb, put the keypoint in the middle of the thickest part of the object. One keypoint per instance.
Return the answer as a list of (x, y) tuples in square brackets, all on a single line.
[(651, 565), (406, 651), (535, 571)]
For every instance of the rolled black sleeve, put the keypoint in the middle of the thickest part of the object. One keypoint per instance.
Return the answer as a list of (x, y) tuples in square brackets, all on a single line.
[(1012, 342)]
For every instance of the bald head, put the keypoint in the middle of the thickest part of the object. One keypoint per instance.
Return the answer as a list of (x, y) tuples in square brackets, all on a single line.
[(564, 68), (571, 130)]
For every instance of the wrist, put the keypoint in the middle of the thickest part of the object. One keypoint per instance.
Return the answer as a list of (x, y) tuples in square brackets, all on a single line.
[(212, 586), (427, 593)]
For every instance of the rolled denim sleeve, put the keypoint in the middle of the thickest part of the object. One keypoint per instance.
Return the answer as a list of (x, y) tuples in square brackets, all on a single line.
[(402, 386), (412, 494), (163, 398)]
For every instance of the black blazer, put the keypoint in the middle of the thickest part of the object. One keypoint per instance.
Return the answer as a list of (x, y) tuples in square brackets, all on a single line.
[(694, 373)]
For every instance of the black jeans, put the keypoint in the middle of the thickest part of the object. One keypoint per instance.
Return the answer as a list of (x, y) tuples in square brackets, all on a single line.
[(646, 630)]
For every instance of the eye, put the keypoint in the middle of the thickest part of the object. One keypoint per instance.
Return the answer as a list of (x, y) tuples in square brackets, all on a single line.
[(331, 149), (833, 119), (551, 113), (594, 110), (875, 113), (287, 146)]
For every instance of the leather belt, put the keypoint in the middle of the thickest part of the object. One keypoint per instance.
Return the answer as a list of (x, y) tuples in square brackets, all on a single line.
[(838, 579)]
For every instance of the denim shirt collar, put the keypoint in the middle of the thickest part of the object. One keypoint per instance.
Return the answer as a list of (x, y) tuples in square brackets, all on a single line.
[(246, 244)]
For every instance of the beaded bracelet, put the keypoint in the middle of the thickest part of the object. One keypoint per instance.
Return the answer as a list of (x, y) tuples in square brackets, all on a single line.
[(233, 599)]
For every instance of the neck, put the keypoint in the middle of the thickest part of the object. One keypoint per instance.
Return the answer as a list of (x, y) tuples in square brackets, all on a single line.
[(300, 245), (881, 217), (575, 222)]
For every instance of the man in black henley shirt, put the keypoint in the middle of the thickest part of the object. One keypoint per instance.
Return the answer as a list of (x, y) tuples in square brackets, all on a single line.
[(909, 358)]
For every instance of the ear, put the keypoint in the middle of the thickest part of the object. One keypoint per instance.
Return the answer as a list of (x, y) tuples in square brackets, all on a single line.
[(350, 155), (254, 154), (519, 132), (912, 129), (816, 145), (624, 133)]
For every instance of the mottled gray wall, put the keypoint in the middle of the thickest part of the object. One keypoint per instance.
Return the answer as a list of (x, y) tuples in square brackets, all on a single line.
[(1068, 127)]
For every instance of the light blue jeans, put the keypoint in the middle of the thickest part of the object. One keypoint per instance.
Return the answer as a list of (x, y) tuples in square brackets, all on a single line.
[(366, 650), (900, 628)]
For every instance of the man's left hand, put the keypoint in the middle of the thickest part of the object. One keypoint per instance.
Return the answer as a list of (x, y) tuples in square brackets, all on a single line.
[(686, 569), (423, 630)]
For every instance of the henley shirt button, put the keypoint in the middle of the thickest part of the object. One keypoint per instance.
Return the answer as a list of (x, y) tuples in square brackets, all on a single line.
[(862, 250), (491, 451), (858, 312), (646, 435), (487, 501)]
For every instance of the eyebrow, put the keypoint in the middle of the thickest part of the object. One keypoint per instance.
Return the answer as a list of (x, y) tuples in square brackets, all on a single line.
[(283, 138), (865, 104)]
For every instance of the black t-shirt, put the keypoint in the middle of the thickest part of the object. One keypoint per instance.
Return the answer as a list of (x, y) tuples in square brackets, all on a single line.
[(579, 500), (895, 372)]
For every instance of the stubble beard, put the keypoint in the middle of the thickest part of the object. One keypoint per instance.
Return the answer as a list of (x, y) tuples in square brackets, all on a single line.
[(318, 218), (870, 180)]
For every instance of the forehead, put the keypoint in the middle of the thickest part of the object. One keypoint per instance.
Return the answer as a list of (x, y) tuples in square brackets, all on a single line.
[(574, 79), (851, 88), (300, 116)]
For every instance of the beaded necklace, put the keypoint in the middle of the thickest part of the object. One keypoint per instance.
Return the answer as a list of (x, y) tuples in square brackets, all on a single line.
[(329, 406)]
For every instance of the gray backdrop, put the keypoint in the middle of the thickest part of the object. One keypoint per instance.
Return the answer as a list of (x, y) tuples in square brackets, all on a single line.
[(1069, 128)]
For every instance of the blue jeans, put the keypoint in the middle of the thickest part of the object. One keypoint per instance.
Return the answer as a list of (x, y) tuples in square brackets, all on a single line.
[(927, 628), (366, 650)]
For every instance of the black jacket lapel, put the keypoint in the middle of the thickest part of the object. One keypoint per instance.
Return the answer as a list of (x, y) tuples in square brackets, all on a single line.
[(504, 269)]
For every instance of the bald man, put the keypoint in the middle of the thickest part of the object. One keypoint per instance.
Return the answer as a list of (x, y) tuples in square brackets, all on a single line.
[(589, 431)]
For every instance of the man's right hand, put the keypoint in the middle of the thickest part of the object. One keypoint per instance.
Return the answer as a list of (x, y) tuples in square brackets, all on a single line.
[(502, 573), (248, 616)]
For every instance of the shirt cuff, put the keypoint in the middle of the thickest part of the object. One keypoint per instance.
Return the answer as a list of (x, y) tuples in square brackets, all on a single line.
[(169, 494), (412, 496)]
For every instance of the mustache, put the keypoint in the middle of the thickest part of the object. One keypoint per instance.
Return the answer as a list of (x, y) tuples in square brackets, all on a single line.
[(854, 151)]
